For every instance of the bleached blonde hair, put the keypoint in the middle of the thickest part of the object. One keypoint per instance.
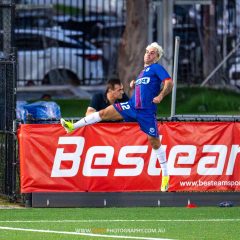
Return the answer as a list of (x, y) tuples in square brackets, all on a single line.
[(158, 48)]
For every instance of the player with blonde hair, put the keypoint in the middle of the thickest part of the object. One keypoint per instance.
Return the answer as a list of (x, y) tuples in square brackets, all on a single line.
[(141, 107)]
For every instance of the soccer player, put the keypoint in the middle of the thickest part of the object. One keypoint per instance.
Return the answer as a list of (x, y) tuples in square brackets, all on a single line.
[(141, 107)]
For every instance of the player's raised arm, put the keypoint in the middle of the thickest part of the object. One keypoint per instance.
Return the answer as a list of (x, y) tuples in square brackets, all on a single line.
[(132, 84)]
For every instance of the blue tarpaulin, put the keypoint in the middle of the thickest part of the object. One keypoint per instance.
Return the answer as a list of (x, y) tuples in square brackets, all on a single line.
[(37, 111)]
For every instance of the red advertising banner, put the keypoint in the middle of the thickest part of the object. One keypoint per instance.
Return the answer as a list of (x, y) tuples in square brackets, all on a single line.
[(202, 156)]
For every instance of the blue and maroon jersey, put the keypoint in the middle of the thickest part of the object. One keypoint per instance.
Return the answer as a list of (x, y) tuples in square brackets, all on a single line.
[(148, 86)]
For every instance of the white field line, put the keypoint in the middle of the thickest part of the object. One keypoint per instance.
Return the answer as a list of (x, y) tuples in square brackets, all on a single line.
[(76, 233), (122, 220)]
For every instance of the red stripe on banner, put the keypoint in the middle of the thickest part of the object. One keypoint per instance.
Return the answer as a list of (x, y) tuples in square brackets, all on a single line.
[(202, 156)]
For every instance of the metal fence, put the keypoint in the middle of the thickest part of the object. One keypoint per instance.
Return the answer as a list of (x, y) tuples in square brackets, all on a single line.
[(7, 104), (208, 33), (61, 42), (7, 131), (67, 42)]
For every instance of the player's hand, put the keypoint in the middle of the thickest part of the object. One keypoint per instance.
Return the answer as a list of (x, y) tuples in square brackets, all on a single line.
[(132, 84), (158, 99)]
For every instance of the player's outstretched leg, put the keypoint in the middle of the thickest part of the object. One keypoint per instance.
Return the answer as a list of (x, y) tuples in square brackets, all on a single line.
[(90, 119)]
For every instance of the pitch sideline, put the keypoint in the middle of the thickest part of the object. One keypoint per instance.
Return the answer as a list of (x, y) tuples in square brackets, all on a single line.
[(123, 220)]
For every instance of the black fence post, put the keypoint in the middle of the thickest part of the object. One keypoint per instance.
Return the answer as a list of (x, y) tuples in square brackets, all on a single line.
[(7, 102), (84, 39), (8, 10)]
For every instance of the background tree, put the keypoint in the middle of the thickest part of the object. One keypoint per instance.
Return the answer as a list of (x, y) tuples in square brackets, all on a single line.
[(134, 41), (210, 52)]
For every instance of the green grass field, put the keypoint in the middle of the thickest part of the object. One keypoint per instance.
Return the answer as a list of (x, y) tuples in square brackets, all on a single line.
[(120, 223)]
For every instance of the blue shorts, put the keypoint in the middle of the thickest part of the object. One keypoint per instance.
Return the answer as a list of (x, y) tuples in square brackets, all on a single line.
[(146, 119)]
